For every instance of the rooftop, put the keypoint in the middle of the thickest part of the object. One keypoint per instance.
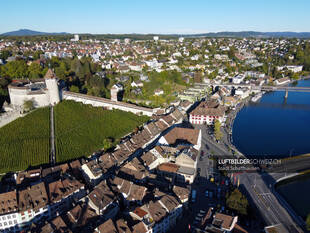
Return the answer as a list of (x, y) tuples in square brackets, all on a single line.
[(183, 134)]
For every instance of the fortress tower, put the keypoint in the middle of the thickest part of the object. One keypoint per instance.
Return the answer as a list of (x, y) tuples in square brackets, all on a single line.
[(116, 91), (51, 82)]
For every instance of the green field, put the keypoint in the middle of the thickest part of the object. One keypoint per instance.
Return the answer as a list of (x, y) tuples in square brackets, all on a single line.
[(81, 129), (25, 141)]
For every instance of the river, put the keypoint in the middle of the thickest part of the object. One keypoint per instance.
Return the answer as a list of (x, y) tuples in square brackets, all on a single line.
[(276, 127)]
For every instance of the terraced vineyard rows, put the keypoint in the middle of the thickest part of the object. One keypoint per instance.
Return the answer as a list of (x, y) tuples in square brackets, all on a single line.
[(25, 141), (81, 129)]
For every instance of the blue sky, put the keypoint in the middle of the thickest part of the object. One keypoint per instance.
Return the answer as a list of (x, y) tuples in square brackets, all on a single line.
[(154, 16)]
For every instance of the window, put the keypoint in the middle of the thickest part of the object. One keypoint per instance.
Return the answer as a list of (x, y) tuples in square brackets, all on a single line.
[(14, 216), (10, 223), (5, 223), (0, 224), (9, 217), (15, 221), (3, 218)]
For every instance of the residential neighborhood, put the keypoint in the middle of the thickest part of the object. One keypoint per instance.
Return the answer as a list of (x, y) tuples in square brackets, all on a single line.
[(154, 117)]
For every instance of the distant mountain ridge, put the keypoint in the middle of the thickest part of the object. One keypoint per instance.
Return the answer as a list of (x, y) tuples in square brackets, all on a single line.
[(252, 34), (256, 34), (27, 32)]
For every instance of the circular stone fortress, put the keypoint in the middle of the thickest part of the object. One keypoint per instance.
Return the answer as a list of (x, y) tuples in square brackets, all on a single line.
[(42, 92)]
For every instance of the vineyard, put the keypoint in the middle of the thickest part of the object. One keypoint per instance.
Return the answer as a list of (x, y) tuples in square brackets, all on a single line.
[(25, 141), (81, 129)]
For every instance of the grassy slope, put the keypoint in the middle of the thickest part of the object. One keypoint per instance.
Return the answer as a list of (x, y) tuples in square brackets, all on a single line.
[(25, 141), (81, 129)]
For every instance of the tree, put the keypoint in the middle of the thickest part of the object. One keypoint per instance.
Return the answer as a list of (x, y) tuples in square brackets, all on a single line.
[(28, 105), (308, 222), (107, 143), (61, 71), (5, 54), (16, 69), (231, 52), (35, 71), (74, 88), (295, 76), (238, 202), (37, 54), (217, 130)]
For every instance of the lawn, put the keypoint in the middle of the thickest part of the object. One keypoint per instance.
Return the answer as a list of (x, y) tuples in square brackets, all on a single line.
[(25, 141), (81, 129)]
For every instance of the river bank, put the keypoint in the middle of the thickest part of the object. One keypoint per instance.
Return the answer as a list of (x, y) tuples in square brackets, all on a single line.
[(295, 191)]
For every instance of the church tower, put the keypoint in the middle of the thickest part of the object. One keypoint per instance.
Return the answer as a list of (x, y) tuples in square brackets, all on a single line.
[(51, 82)]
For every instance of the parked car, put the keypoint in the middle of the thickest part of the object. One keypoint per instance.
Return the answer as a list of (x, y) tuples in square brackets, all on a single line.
[(194, 192), (207, 193)]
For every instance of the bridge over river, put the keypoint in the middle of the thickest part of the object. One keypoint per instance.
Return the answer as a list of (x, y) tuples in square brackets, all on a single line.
[(259, 187), (261, 88)]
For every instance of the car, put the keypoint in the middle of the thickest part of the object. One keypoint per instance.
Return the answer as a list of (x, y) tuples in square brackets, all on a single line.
[(200, 159), (207, 193), (210, 194), (201, 153), (226, 182), (194, 192), (202, 211)]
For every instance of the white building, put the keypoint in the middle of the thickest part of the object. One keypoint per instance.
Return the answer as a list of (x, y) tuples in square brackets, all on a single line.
[(33, 204), (207, 113), (242, 92), (127, 40), (76, 38), (294, 69), (282, 81), (158, 92), (8, 212), (238, 79), (43, 93)]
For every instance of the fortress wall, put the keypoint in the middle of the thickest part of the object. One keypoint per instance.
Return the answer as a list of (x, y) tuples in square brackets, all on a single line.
[(101, 102), (18, 96), (6, 118)]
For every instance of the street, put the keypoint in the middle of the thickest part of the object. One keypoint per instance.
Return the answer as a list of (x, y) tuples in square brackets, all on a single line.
[(260, 190)]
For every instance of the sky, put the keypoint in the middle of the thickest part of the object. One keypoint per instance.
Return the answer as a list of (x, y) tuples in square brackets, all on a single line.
[(155, 16)]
